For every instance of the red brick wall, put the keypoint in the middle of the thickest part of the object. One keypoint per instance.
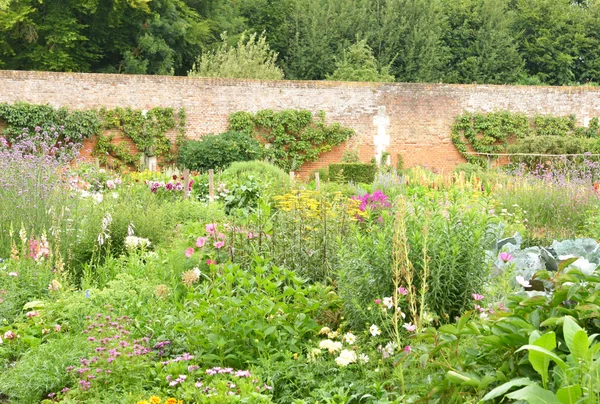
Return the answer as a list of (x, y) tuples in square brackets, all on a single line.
[(420, 114)]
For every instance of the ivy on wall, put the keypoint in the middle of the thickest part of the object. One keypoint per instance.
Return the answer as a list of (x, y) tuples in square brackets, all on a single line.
[(146, 129), (291, 137), (494, 132)]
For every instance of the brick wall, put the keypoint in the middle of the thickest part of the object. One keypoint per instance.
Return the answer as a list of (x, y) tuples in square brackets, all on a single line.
[(420, 114)]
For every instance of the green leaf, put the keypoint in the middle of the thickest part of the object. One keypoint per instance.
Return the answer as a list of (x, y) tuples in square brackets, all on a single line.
[(570, 327), (570, 394), (540, 361), (270, 330), (566, 263), (579, 350), (36, 304), (462, 378), (534, 394), (504, 388), (552, 355)]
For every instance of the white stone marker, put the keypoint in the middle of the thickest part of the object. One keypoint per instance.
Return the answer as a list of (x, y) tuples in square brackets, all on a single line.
[(382, 139)]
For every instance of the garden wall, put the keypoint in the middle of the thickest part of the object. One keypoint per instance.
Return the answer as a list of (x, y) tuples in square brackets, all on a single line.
[(420, 114)]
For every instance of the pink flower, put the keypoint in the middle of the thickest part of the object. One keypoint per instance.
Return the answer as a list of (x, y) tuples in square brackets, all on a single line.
[(402, 291), (211, 228), (211, 262), (410, 327), (31, 314), (189, 252), (201, 241), (407, 349), (505, 256), (219, 244), (57, 328), (221, 236), (377, 301), (250, 235), (477, 297)]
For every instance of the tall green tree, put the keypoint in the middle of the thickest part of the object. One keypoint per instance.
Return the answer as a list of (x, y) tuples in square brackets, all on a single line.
[(411, 39), (481, 41), (552, 33), (250, 58), (358, 64)]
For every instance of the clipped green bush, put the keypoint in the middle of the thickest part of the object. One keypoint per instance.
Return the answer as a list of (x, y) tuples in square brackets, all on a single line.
[(218, 151), (353, 172)]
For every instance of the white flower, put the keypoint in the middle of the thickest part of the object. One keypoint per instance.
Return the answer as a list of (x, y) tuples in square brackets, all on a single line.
[(389, 349), (346, 357), (325, 331), (374, 330), (362, 358), (388, 302), (98, 197), (197, 272), (521, 281), (331, 346), (349, 338), (333, 335), (133, 242)]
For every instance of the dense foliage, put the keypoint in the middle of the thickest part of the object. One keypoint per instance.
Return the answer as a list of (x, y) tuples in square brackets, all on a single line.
[(507, 132), (458, 41), (291, 137), (218, 151)]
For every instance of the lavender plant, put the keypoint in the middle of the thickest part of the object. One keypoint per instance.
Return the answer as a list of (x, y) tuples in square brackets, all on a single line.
[(32, 190)]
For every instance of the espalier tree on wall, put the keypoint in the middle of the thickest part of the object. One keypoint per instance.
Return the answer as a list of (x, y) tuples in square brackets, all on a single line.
[(508, 132), (291, 137)]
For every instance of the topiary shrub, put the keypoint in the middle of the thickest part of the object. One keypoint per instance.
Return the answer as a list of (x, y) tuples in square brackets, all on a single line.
[(353, 172), (218, 151)]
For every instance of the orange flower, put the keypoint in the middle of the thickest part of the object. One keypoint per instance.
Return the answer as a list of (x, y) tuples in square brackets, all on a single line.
[(171, 401)]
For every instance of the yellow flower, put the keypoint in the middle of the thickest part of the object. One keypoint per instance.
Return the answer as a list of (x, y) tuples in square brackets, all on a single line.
[(155, 400), (171, 401), (143, 402)]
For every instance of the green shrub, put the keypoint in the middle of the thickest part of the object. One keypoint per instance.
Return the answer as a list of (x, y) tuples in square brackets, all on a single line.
[(353, 172), (219, 151), (269, 174)]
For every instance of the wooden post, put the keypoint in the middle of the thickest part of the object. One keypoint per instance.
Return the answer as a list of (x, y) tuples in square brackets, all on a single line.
[(318, 181), (186, 183), (489, 162), (291, 176), (211, 185)]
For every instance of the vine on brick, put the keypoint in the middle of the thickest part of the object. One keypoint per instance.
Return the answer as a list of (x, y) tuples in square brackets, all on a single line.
[(291, 137), (493, 132), (148, 130)]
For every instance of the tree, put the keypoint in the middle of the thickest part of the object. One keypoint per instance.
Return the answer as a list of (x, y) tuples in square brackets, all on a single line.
[(251, 58), (411, 39), (358, 64), (481, 42), (551, 36)]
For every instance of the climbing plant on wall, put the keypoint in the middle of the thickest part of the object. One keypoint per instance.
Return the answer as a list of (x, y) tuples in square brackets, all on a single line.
[(291, 137), (146, 129), (78, 125), (493, 133)]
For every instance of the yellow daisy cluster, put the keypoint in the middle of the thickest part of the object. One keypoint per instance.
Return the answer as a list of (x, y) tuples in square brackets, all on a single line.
[(158, 400), (311, 205)]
